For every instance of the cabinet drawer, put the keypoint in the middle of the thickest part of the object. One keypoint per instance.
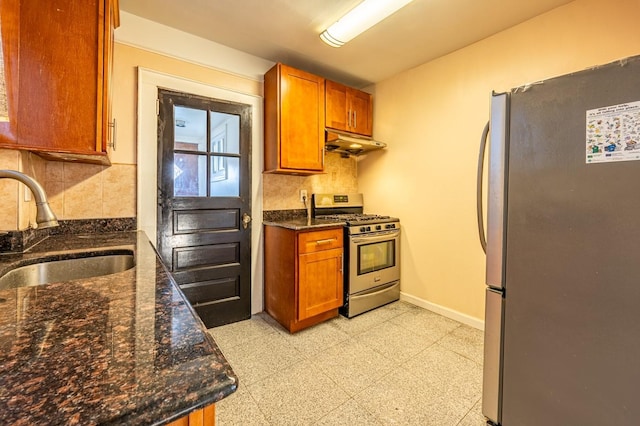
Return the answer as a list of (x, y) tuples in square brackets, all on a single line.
[(309, 242)]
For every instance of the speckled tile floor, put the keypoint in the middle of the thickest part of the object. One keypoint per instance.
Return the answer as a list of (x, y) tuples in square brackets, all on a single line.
[(399, 364)]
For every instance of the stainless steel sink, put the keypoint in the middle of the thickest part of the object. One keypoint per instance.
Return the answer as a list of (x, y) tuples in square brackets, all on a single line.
[(65, 270)]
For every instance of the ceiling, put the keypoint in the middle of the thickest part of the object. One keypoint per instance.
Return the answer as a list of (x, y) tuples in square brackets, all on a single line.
[(288, 30)]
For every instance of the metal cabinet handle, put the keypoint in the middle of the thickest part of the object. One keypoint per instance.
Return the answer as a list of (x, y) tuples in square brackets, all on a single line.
[(114, 127), (245, 220), (327, 241), (355, 119)]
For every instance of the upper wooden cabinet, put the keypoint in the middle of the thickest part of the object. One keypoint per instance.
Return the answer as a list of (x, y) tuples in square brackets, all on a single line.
[(348, 109), (10, 33), (60, 56), (293, 121)]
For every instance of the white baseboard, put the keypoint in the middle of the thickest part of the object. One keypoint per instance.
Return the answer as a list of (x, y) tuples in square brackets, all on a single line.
[(446, 312)]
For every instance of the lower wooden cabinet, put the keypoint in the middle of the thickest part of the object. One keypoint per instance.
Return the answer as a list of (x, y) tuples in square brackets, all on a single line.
[(203, 417), (303, 275)]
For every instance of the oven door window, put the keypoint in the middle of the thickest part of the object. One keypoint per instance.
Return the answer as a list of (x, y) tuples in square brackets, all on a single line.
[(376, 256)]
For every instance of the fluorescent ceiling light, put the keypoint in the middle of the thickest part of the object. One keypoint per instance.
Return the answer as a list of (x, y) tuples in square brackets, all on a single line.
[(359, 19)]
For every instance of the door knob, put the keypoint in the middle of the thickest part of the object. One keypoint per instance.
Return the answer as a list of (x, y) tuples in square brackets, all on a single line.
[(245, 220)]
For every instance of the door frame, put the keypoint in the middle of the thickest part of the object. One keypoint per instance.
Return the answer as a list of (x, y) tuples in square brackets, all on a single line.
[(146, 134)]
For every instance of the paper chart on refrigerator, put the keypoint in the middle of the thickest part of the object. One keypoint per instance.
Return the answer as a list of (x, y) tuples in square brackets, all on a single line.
[(613, 133)]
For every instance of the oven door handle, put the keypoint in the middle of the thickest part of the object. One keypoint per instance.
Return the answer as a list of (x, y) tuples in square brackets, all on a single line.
[(374, 293), (377, 237)]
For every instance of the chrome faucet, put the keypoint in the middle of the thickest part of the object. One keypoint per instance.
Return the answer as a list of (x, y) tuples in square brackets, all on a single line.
[(44, 215)]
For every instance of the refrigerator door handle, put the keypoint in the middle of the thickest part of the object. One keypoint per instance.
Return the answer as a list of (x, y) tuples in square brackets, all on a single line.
[(492, 368), (479, 201), (496, 198)]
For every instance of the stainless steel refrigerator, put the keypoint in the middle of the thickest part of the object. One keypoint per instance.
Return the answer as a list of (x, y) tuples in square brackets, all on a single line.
[(562, 325)]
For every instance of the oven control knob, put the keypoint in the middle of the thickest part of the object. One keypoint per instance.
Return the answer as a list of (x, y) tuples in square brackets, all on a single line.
[(378, 227), (363, 229), (368, 228), (391, 226)]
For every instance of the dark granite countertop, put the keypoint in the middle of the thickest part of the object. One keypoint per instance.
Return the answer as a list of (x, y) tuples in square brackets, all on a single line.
[(301, 224), (124, 348)]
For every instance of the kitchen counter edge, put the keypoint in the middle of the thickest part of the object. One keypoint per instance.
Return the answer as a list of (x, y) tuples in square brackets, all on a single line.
[(303, 224), (159, 369)]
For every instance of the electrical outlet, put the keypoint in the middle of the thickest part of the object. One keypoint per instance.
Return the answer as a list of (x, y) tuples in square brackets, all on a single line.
[(303, 195)]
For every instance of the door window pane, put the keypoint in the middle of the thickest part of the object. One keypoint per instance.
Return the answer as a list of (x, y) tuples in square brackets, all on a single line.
[(225, 133), (376, 256), (190, 129), (225, 176), (189, 175)]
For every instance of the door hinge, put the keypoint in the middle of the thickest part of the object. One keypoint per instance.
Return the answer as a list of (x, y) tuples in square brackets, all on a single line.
[(157, 106)]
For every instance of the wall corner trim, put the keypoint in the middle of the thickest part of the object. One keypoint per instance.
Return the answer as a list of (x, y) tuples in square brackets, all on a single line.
[(444, 311)]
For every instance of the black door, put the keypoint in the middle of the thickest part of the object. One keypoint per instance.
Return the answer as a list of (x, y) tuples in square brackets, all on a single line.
[(204, 202)]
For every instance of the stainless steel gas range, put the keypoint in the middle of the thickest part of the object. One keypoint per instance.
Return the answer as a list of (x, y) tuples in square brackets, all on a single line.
[(372, 251)]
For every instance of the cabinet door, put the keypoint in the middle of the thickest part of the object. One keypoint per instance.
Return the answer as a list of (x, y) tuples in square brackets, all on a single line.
[(58, 89), (320, 282), (62, 103), (203, 417), (361, 109), (348, 109), (336, 108), (302, 120), (105, 122), (10, 42)]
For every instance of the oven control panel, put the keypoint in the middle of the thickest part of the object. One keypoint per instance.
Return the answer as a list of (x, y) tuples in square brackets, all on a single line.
[(376, 227)]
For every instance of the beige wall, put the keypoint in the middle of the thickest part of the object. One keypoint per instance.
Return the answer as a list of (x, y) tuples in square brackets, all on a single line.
[(432, 117)]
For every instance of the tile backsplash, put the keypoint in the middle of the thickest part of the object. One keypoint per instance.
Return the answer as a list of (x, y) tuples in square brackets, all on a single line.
[(9, 159), (88, 191), (74, 190), (282, 192)]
